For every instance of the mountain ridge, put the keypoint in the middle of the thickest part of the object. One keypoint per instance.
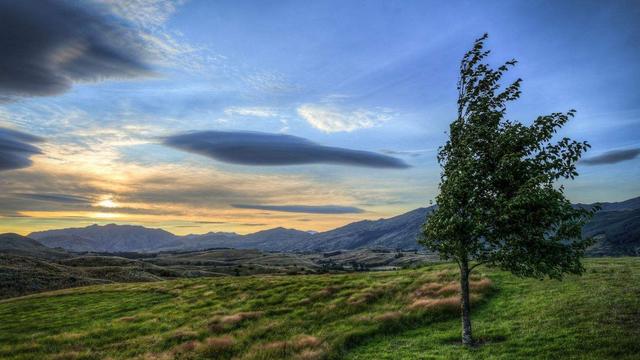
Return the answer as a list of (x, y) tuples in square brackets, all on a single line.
[(617, 227)]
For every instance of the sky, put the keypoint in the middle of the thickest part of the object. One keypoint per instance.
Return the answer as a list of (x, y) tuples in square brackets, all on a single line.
[(198, 116)]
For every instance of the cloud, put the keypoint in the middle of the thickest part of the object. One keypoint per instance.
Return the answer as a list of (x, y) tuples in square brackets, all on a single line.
[(46, 46), (145, 13), (613, 157), (16, 149), (329, 118), (307, 209), (251, 111), (256, 148), (52, 197)]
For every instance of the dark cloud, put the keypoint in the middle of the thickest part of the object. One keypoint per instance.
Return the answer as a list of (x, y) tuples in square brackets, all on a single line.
[(323, 209), (255, 148), (48, 45), (16, 148), (612, 157), (60, 198)]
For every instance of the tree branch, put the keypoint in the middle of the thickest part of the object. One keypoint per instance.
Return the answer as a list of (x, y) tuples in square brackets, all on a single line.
[(476, 265)]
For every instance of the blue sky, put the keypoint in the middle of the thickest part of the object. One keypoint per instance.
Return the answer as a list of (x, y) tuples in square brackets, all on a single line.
[(371, 76)]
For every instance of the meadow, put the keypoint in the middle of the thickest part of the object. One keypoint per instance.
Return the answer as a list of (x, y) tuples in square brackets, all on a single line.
[(403, 314)]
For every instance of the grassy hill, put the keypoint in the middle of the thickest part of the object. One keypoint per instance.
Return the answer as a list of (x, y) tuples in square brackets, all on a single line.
[(405, 314), (23, 274)]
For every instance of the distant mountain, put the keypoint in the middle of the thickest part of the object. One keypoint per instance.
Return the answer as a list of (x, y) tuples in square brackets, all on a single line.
[(399, 232), (108, 238), (68, 242), (15, 244), (616, 226), (617, 233), (277, 239), (631, 204)]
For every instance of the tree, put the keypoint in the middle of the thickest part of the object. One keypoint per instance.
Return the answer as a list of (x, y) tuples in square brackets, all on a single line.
[(499, 202)]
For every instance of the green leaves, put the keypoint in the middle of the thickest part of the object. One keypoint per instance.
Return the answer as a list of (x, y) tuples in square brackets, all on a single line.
[(498, 202)]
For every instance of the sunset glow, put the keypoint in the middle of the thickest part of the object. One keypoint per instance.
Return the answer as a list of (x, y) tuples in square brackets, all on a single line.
[(195, 125)]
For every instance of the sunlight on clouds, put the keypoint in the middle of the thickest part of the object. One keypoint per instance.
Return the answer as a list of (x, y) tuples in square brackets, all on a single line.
[(257, 111), (329, 118), (103, 215), (107, 202)]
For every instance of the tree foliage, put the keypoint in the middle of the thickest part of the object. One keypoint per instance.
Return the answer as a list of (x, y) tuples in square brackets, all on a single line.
[(499, 202)]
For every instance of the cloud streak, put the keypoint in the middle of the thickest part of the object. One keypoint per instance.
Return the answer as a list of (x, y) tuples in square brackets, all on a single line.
[(48, 45), (264, 149), (330, 119), (57, 198), (307, 209), (613, 157), (16, 149)]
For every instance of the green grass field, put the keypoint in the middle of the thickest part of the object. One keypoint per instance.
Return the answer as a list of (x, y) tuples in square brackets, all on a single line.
[(406, 314)]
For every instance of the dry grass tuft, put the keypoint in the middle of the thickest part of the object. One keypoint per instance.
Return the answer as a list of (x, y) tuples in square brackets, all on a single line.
[(305, 341), (443, 304), (216, 346), (327, 291), (305, 301), (436, 290), (70, 355), (367, 296), (158, 356), (449, 289), (222, 323), (128, 319), (481, 286), (66, 336), (183, 335), (427, 290), (303, 346), (309, 354), (388, 316), (186, 347), (275, 346)]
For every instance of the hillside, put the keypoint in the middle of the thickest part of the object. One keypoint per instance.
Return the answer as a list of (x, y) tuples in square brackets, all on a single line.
[(617, 233), (398, 232), (14, 244), (399, 315), (27, 272)]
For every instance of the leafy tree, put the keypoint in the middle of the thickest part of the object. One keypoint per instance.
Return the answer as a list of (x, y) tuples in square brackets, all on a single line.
[(499, 203)]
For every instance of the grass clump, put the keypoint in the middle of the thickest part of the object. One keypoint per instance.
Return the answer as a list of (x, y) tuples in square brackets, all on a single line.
[(226, 322)]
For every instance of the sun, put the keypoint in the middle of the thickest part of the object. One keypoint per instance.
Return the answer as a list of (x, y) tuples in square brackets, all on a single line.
[(107, 203)]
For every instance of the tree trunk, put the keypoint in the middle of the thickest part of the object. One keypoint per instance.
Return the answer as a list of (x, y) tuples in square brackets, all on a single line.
[(465, 306)]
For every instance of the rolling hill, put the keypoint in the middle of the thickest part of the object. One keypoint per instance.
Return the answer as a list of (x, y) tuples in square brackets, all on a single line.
[(394, 315)]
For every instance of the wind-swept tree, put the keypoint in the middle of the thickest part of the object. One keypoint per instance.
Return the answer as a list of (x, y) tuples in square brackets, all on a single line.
[(499, 202)]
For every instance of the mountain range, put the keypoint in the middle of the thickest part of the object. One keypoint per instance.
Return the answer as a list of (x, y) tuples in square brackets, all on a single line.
[(616, 227)]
